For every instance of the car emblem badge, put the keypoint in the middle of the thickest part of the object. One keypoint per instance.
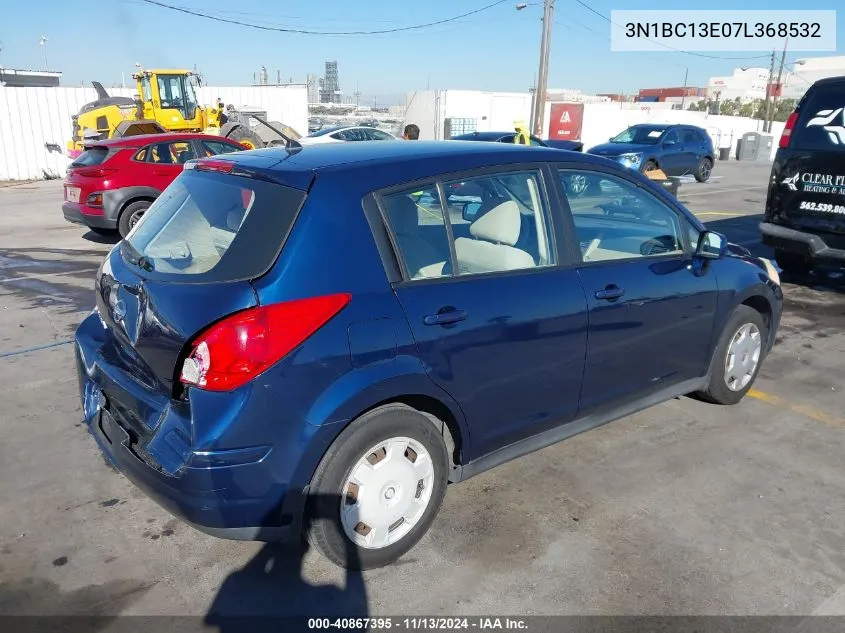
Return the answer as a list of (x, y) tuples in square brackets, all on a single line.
[(790, 182), (824, 119)]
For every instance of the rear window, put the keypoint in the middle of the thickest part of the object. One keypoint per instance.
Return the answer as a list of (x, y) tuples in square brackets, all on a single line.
[(92, 156), (208, 227), (821, 125)]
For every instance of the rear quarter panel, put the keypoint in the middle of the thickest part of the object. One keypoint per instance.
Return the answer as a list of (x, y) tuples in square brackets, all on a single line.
[(366, 355)]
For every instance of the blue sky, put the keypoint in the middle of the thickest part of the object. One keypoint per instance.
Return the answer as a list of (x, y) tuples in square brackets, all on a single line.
[(494, 50)]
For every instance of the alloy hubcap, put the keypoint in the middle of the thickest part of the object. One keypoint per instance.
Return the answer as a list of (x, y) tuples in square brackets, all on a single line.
[(743, 357), (705, 170), (133, 219), (578, 184), (386, 493)]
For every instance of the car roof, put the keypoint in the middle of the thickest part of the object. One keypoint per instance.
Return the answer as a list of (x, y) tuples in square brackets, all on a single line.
[(143, 139), (377, 165)]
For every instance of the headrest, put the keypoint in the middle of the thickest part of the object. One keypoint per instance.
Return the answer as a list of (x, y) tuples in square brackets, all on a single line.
[(501, 224), (403, 214)]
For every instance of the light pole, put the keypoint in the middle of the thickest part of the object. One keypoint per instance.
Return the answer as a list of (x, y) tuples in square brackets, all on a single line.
[(539, 109), (43, 43)]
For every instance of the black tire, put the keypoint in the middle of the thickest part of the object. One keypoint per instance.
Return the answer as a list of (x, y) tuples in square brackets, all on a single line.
[(322, 525), (649, 165), (717, 391), (130, 215), (245, 136), (792, 263), (703, 170)]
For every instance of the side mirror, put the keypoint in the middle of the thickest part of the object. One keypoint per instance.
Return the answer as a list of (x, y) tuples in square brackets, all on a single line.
[(711, 245), (471, 210)]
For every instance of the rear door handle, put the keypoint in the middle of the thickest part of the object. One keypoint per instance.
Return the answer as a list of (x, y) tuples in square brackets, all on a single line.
[(611, 293), (445, 316)]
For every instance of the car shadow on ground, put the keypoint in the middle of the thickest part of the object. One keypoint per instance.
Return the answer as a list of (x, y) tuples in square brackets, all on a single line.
[(745, 231), (271, 592), (100, 238)]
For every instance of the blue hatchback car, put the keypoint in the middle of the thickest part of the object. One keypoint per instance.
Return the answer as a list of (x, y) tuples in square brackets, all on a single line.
[(317, 340), (677, 150)]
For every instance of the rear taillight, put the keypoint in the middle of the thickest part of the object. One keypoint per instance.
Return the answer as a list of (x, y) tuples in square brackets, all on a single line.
[(94, 200), (96, 172), (240, 347), (787, 130)]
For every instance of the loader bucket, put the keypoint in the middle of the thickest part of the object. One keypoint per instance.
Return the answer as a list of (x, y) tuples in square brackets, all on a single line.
[(136, 128)]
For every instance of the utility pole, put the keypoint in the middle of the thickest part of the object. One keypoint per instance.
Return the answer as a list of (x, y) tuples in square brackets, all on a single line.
[(768, 94), (43, 43), (543, 73), (775, 98), (684, 96)]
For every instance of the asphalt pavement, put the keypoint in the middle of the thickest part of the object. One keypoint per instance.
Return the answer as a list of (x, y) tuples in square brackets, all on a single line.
[(686, 508)]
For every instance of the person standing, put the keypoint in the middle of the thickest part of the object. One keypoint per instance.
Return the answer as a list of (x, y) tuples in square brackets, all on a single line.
[(412, 132), (522, 137)]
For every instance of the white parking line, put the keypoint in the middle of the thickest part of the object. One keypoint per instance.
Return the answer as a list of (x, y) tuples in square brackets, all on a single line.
[(707, 192), (835, 605), (42, 276)]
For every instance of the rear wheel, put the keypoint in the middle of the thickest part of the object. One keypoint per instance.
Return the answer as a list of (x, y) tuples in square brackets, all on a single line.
[(378, 488), (737, 358), (704, 169), (792, 263), (246, 137), (130, 215)]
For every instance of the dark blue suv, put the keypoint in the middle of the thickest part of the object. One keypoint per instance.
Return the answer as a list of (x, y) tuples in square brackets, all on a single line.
[(317, 340), (677, 150)]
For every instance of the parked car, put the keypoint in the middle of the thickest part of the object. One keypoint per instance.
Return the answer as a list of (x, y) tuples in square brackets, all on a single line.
[(346, 133), (804, 219), (508, 137), (576, 184), (305, 341), (677, 150), (113, 182)]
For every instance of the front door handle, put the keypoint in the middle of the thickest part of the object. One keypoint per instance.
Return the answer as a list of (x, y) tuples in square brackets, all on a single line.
[(611, 293), (445, 316)]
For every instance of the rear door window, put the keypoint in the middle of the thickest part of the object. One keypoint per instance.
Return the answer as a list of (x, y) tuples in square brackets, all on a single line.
[(92, 156), (691, 137), (211, 228), (821, 125)]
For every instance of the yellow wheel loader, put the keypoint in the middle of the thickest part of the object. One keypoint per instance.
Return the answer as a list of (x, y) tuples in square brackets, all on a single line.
[(166, 102)]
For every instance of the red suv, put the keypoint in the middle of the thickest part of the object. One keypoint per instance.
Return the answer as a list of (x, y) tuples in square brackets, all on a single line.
[(113, 182)]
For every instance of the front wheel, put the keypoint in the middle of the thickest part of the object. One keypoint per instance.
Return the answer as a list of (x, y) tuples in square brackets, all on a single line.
[(378, 488), (246, 137), (703, 170), (737, 359)]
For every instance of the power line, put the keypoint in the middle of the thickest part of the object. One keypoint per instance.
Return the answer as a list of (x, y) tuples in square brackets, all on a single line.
[(606, 37), (264, 27), (671, 48)]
